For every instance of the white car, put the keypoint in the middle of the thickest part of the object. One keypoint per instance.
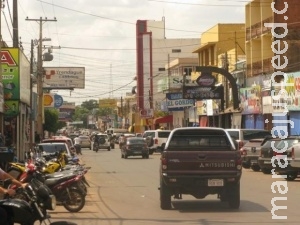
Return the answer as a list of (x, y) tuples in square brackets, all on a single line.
[(156, 139)]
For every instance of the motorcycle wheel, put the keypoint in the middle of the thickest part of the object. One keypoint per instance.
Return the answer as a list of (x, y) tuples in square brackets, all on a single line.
[(74, 201)]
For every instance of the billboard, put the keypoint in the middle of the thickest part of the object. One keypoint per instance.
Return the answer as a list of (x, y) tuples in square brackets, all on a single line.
[(64, 77)]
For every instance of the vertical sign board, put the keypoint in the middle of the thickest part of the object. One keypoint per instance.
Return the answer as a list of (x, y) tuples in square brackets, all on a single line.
[(11, 80)]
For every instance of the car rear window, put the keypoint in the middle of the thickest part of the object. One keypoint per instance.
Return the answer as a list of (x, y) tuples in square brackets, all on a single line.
[(251, 134), (199, 140), (163, 134), (234, 134), (52, 148), (149, 134), (136, 141), (268, 143)]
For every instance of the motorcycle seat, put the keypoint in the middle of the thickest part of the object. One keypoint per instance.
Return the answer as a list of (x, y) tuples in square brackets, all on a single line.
[(57, 180)]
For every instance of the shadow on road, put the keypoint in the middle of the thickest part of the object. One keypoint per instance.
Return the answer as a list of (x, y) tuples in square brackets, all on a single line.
[(215, 206)]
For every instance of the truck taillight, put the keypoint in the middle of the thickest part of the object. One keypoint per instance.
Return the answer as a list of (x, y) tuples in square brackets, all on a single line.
[(163, 163), (277, 153), (238, 162), (293, 153), (156, 141)]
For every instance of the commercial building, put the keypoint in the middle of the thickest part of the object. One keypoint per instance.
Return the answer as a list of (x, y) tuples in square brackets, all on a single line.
[(263, 57), (154, 51), (222, 46)]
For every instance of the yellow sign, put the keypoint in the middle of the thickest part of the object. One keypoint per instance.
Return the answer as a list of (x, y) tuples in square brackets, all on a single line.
[(107, 103)]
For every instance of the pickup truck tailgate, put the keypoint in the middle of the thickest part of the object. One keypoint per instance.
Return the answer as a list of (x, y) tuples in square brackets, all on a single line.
[(200, 162)]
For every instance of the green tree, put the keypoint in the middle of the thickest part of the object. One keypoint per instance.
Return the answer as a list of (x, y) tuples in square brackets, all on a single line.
[(51, 121), (81, 114), (90, 104)]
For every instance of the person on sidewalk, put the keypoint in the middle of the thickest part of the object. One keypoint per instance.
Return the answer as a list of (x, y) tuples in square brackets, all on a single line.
[(77, 145)]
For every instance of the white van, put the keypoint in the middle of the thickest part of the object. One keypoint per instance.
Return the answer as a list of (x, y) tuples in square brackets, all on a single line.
[(156, 139)]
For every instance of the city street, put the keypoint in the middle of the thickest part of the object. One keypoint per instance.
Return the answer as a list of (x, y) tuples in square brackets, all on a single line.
[(125, 192)]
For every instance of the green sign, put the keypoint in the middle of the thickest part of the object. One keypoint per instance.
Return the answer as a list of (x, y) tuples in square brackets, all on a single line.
[(10, 73), (11, 108)]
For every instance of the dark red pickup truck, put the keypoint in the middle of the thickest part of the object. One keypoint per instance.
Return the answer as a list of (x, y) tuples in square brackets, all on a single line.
[(199, 161)]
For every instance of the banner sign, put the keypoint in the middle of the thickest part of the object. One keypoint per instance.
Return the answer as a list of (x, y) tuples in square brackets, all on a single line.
[(64, 77), (199, 93), (175, 100), (10, 73)]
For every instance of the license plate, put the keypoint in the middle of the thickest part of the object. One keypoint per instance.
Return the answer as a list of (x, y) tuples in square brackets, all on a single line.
[(253, 161), (215, 182), (267, 162)]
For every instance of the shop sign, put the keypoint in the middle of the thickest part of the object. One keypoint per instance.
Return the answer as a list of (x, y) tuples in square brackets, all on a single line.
[(206, 80), (175, 100), (10, 73), (200, 93)]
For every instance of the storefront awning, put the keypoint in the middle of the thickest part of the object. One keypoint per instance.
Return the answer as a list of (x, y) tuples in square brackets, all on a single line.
[(165, 119)]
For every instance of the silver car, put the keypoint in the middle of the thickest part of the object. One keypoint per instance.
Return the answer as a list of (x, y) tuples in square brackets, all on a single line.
[(101, 141)]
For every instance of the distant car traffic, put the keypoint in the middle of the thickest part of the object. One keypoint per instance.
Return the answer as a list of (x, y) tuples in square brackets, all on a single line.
[(135, 146)]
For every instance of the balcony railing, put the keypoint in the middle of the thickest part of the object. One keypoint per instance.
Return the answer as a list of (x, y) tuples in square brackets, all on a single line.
[(256, 30)]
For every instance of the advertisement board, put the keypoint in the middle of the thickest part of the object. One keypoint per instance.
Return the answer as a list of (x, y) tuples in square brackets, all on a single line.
[(10, 73), (107, 103), (11, 108), (64, 77), (52, 100)]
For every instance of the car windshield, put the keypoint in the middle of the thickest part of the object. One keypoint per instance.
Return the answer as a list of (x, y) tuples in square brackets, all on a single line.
[(52, 148)]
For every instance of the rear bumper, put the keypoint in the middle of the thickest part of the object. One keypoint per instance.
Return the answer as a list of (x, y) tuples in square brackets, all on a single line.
[(265, 163), (249, 160), (137, 152)]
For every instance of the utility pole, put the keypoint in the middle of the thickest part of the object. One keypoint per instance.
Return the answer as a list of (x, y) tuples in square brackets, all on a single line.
[(15, 24), (40, 74), (1, 83)]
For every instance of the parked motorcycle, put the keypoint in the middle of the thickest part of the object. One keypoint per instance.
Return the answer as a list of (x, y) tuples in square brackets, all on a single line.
[(32, 206), (68, 187)]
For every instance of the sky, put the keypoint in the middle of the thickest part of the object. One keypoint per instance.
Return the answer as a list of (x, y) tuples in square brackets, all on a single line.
[(100, 34)]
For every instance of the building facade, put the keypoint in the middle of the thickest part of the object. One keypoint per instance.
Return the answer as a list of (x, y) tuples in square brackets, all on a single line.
[(272, 51)]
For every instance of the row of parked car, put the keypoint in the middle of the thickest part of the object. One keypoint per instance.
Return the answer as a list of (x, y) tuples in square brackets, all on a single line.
[(268, 153)]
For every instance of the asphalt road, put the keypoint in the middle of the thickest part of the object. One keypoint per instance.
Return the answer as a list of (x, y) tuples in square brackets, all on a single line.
[(125, 192)]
